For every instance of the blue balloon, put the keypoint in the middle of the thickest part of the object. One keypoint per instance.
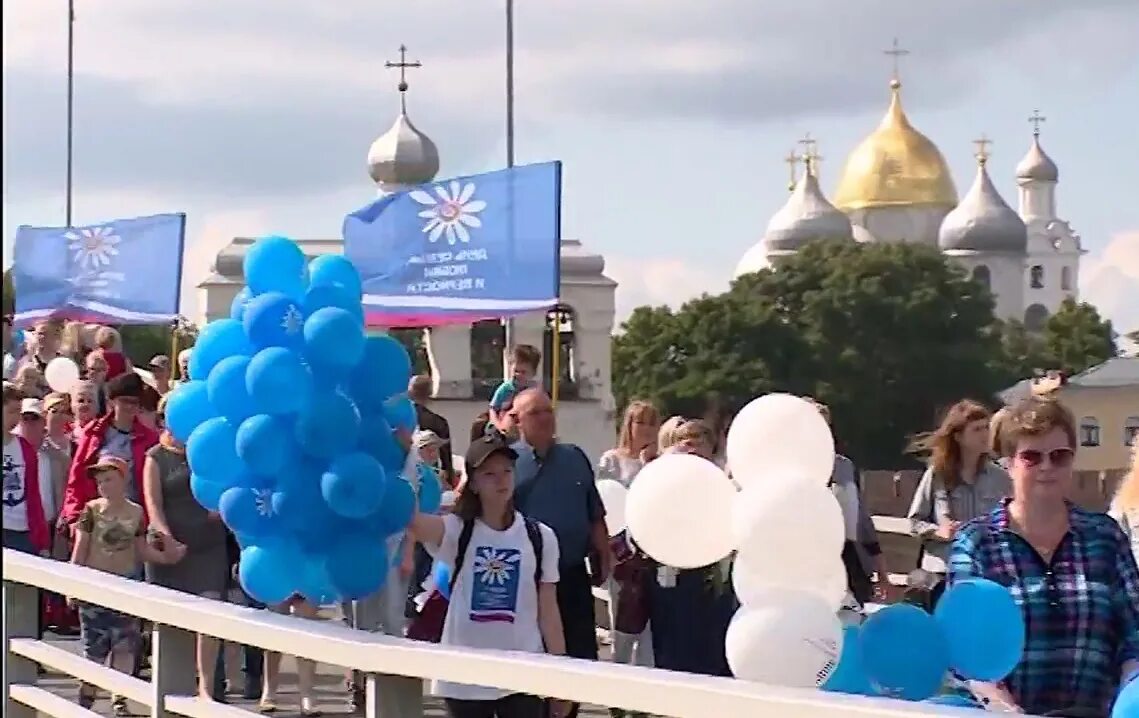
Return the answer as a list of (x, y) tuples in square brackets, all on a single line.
[(953, 699), (379, 440), (400, 413), (383, 372), (211, 451), (357, 565), (850, 675), (267, 572), (249, 512), (278, 382), (275, 264), (984, 629), (218, 340), (330, 269), (329, 425), (227, 392), (206, 493), (265, 444), (397, 507), (316, 584), (187, 407), (353, 485), (237, 306), (274, 319), (332, 295), (1127, 702), (441, 575), (18, 337), (334, 339), (904, 652), (430, 489)]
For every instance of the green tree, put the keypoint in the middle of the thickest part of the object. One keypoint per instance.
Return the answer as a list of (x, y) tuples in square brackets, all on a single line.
[(1076, 338), (141, 342), (886, 334)]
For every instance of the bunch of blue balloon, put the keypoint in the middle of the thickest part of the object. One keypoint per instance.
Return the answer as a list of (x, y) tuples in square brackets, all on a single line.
[(975, 633), (292, 420)]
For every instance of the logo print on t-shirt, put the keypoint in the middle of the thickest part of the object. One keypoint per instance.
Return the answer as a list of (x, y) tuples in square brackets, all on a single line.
[(494, 592), (13, 482)]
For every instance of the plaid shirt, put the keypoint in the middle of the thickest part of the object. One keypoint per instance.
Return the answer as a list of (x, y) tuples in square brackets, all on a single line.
[(1081, 611)]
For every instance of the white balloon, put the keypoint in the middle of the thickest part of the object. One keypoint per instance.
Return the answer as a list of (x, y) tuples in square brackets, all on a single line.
[(753, 588), (679, 511), (789, 532), (780, 436), (614, 496), (792, 639), (61, 374)]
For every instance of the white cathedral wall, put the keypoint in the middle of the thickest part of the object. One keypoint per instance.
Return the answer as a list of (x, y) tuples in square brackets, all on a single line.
[(915, 225), (1006, 275)]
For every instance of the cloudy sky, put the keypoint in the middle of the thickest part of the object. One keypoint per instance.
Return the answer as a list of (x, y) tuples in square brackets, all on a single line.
[(671, 117)]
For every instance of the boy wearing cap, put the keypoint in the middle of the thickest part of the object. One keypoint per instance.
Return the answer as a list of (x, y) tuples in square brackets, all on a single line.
[(28, 496), (110, 535)]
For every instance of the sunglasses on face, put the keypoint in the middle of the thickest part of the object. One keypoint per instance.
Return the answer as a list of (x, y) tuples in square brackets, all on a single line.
[(1060, 458)]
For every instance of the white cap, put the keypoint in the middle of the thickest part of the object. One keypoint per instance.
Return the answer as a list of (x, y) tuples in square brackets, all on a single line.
[(32, 406)]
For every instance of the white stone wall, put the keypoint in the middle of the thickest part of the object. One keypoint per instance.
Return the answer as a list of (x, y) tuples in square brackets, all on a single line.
[(915, 225), (1006, 277)]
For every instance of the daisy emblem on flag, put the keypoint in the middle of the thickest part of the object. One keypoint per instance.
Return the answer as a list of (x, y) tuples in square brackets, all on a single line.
[(451, 211), (93, 248)]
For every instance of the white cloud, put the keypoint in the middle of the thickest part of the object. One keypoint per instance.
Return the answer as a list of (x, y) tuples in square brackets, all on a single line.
[(1110, 281), (659, 281)]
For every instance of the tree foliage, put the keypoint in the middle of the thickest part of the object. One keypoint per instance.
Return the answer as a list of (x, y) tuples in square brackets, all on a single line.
[(1074, 339)]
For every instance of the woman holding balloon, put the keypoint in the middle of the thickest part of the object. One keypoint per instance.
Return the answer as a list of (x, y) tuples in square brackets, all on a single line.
[(1070, 571)]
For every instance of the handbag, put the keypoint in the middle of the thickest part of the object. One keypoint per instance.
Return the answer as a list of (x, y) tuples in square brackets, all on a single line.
[(631, 574)]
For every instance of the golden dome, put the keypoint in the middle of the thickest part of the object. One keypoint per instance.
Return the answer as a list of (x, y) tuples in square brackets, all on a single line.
[(895, 166)]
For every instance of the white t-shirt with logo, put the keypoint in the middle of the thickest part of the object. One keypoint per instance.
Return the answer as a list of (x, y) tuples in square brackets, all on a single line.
[(15, 501), (494, 603)]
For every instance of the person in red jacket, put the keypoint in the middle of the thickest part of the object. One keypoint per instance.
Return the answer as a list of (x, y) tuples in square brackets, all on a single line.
[(28, 499), (119, 433)]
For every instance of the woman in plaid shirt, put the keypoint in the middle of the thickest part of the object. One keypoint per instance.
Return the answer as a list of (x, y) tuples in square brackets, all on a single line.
[(1070, 570)]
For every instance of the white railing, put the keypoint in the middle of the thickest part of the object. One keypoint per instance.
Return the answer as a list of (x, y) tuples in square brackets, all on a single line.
[(396, 668)]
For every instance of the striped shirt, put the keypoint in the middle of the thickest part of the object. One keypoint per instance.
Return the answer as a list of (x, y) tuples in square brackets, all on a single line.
[(1081, 610)]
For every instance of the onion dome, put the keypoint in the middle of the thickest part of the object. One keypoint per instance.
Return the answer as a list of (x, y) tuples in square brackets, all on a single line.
[(403, 156), (1037, 165), (896, 166), (807, 216), (983, 221)]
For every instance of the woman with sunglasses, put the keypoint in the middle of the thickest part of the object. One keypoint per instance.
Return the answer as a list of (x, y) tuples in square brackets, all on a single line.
[(1071, 572)]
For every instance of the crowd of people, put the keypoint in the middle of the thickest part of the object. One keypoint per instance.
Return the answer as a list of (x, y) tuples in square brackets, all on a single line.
[(93, 477)]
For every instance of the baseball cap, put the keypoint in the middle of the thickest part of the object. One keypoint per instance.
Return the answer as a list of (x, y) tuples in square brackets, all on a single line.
[(426, 437), (483, 448), (109, 461), (160, 361), (55, 400), (32, 406)]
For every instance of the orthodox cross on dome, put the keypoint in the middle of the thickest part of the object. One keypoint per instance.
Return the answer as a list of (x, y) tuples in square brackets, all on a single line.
[(1036, 120), (811, 156), (897, 53), (403, 66), (792, 161), (982, 143)]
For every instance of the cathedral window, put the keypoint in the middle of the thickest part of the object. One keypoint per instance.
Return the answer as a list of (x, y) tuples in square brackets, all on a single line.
[(488, 341), (1131, 431), (1066, 279), (982, 276), (1036, 277), (563, 318), (1089, 431), (1035, 317)]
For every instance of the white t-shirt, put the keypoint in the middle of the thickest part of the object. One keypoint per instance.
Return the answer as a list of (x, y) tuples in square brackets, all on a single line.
[(495, 602), (15, 502)]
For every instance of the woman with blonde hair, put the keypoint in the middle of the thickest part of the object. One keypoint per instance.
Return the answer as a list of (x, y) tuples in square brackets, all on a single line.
[(960, 484), (1125, 506), (636, 445)]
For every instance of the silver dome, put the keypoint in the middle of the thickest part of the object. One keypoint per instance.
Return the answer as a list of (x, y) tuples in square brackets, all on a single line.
[(1037, 165), (983, 221), (403, 156), (807, 216)]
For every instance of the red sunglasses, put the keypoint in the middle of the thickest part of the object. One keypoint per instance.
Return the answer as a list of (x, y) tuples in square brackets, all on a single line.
[(1059, 458)]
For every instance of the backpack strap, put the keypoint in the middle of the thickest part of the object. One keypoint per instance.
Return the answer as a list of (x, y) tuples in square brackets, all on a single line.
[(461, 551), (534, 531)]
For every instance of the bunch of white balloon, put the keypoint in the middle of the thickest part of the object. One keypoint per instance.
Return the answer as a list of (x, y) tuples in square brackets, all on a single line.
[(784, 524)]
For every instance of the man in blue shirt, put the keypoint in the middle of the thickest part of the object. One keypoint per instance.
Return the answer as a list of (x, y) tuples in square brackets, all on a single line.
[(554, 484)]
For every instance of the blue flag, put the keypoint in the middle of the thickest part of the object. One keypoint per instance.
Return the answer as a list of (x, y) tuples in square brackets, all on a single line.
[(126, 271), (460, 250)]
